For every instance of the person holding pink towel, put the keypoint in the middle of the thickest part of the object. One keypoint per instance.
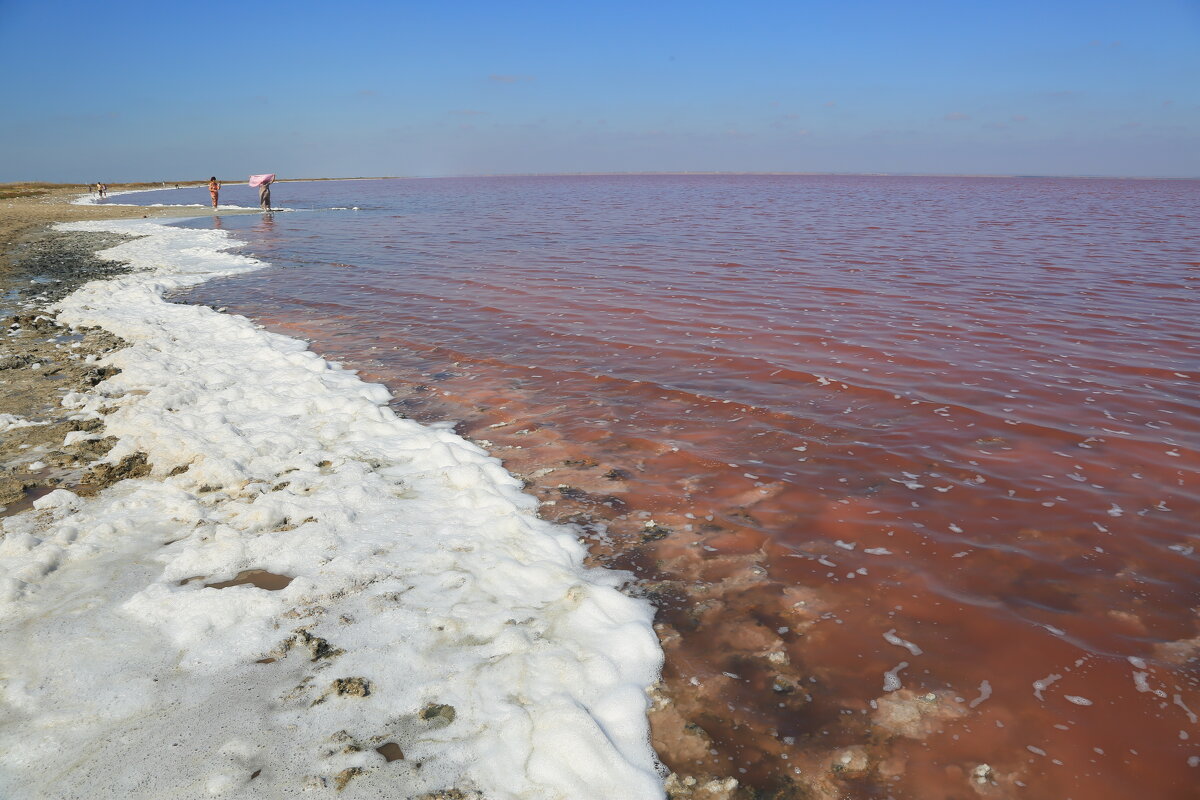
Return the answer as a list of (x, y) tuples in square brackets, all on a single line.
[(263, 182)]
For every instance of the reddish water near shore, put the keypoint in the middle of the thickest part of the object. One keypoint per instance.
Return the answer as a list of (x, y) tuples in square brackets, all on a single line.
[(909, 465)]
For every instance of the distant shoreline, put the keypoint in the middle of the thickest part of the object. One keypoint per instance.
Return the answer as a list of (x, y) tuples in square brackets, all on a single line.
[(7, 188)]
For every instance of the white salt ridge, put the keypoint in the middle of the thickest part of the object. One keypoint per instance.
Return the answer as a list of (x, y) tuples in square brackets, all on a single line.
[(10, 422), (93, 200), (415, 557)]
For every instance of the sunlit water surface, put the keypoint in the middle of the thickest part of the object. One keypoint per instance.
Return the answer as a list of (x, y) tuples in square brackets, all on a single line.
[(909, 465)]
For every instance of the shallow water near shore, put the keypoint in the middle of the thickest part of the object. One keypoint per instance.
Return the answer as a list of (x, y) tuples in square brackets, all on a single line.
[(908, 465), (188, 619)]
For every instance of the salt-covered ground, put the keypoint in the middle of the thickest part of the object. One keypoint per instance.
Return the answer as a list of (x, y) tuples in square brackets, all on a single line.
[(431, 631), (225, 208)]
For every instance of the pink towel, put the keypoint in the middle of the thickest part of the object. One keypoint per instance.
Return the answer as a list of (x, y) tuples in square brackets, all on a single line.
[(258, 180)]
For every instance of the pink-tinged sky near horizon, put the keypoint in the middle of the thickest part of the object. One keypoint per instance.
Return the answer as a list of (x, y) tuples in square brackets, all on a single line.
[(144, 91)]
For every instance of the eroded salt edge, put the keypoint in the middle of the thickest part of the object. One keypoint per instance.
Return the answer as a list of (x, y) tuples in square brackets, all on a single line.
[(413, 552), (93, 200)]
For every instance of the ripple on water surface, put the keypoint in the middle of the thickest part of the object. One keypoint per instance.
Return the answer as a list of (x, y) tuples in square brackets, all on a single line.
[(907, 464)]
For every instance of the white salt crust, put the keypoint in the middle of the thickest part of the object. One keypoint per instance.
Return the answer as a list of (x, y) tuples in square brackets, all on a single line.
[(413, 553), (94, 200)]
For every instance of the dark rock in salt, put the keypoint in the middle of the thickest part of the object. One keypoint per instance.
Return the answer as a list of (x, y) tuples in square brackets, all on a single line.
[(346, 687), (352, 687), (95, 376), (318, 648), (438, 714), (15, 362), (652, 533), (345, 776), (390, 751), (134, 465)]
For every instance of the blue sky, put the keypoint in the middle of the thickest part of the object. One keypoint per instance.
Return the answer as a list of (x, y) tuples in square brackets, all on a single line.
[(142, 91)]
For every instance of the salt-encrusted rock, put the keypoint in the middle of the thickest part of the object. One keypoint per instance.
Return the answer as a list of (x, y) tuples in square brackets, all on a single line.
[(345, 687), (352, 687), (134, 465), (59, 498), (907, 713), (437, 714), (15, 362), (318, 648), (850, 762), (691, 788)]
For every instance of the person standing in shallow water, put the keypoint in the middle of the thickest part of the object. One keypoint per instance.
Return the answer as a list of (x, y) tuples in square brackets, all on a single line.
[(214, 189), (264, 195)]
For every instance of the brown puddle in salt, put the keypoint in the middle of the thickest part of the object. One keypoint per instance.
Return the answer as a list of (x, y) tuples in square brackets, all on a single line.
[(259, 578)]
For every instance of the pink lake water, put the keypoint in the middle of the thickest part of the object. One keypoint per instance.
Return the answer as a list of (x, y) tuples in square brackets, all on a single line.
[(908, 465)]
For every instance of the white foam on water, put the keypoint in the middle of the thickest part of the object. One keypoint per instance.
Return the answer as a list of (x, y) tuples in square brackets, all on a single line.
[(985, 691), (430, 607), (891, 638), (891, 678)]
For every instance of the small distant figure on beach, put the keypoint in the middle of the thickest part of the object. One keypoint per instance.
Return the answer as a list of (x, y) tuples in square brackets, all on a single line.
[(102, 190), (214, 189), (263, 182)]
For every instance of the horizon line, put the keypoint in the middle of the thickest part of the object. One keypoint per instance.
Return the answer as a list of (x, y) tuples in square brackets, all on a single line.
[(648, 173)]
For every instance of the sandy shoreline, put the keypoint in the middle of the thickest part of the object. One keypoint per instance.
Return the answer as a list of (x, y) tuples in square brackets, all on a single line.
[(19, 216), (41, 363), (41, 360)]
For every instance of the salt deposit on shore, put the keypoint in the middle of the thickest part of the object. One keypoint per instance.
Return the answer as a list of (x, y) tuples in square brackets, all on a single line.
[(304, 591)]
